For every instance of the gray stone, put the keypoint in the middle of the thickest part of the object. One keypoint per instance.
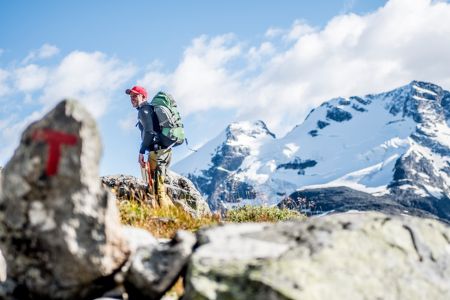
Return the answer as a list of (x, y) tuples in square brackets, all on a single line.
[(127, 187), (2, 267), (347, 256), (183, 192), (7, 289), (138, 237), (154, 269), (180, 189), (59, 228)]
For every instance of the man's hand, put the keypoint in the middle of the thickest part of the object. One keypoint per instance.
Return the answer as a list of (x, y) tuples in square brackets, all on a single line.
[(141, 160)]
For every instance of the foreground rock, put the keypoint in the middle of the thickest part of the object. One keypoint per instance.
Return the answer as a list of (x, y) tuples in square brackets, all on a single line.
[(180, 189), (59, 228), (347, 256), (155, 267)]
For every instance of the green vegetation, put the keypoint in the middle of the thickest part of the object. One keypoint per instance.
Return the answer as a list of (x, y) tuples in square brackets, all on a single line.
[(263, 213), (163, 223)]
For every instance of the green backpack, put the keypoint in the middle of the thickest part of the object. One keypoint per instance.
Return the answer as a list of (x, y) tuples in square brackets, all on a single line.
[(169, 119)]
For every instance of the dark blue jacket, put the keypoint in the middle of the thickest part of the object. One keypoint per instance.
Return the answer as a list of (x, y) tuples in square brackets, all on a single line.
[(149, 127)]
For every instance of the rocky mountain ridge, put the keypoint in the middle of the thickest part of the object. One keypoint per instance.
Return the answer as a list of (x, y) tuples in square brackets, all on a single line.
[(395, 144)]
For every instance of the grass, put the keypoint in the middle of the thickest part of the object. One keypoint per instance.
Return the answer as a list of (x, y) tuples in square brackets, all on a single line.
[(263, 213), (162, 223)]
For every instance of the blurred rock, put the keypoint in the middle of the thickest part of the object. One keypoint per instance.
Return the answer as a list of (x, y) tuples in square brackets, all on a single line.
[(346, 256), (59, 228), (155, 268)]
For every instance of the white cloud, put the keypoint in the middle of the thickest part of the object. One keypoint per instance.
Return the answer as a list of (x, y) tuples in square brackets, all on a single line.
[(30, 78), (352, 55), (47, 51), (201, 80), (1, 52), (44, 52), (298, 29), (348, 4), (273, 32), (91, 78)]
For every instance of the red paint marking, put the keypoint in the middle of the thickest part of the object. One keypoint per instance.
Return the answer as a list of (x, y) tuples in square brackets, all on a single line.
[(54, 139)]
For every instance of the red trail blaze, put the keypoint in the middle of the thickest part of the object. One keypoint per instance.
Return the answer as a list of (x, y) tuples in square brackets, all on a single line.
[(54, 139)]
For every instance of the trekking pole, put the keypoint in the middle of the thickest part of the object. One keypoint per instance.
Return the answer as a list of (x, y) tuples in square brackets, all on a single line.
[(155, 149)]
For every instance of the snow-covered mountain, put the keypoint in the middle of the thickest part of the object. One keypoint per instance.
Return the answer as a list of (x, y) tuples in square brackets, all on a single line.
[(392, 145)]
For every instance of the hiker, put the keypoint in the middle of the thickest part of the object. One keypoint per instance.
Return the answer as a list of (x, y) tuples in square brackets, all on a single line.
[(151, 140)]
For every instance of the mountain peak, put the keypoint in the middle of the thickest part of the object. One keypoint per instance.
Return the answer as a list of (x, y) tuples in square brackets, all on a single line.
[(253, 129), (394, 144)]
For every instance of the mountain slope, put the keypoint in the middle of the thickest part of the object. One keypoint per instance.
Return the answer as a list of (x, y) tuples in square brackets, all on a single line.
[(394, 144)]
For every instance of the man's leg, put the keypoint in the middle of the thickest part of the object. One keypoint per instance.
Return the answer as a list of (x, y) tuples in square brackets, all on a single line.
[(161, 170)]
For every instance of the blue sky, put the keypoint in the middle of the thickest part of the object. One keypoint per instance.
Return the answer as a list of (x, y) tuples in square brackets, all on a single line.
[(223, 61)]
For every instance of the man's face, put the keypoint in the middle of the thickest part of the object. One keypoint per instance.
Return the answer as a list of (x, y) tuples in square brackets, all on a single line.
[(136, 99)]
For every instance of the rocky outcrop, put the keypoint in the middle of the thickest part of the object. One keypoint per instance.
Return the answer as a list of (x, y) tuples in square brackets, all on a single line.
[(127, 187), (184, 193), (59, 228), (346, 256), (180, 189), (341, 199)]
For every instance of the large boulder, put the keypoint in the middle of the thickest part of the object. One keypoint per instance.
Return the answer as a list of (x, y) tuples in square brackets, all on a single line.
[(184, 192), (346, 256), (59, 228), (180, 189), (127, 187)]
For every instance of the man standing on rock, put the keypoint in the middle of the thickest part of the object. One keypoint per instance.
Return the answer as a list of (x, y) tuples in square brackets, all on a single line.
[(150, 131)]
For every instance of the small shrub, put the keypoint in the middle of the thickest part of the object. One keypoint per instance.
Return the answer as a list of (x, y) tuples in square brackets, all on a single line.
[(263, 213), (162, 223)]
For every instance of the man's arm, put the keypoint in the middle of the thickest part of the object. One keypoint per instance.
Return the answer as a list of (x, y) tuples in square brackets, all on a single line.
[(148, 133)]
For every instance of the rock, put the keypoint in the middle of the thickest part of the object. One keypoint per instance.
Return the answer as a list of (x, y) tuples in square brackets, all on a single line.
[(127, 187), (59, 228), (180, 189), (184, 193), (7, 290), (334, 200), (155, 268), (346, 256), (2, 267), (138, 237), (1, 176)]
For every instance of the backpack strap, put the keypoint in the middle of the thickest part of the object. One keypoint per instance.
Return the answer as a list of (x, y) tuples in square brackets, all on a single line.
[(188, 147)]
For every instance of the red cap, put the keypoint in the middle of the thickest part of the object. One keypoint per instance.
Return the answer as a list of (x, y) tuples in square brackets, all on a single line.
[(137, 90)]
